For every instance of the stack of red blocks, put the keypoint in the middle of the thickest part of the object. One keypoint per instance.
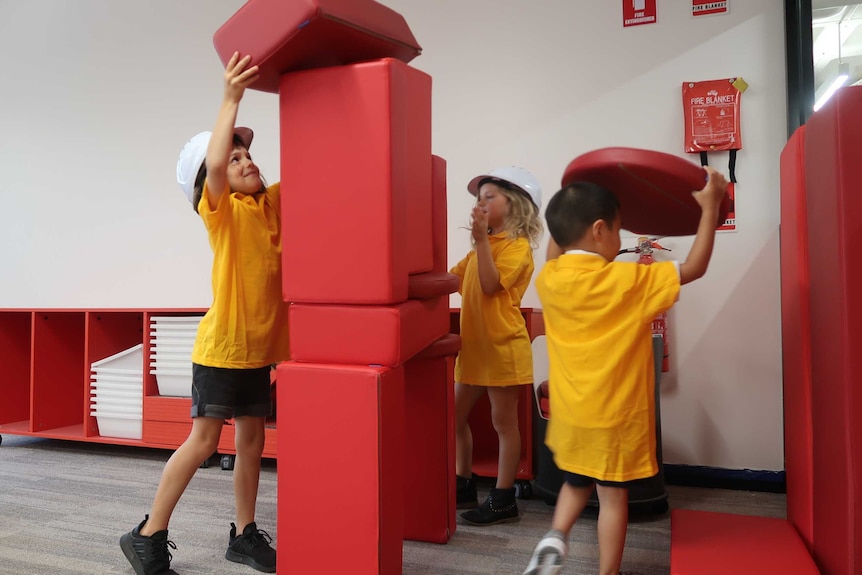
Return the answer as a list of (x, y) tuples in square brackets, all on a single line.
[(365, 426)]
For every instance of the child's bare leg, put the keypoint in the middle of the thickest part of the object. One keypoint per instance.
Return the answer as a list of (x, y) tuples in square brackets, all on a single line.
[(613, 521), (179, 470), (466, 397), (551, 551), (504, 416), (246, 473), (570, 504)]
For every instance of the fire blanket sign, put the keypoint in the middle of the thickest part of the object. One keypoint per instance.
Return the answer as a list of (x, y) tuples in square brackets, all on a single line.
[(707, 7), (637, 12), (729, 224)]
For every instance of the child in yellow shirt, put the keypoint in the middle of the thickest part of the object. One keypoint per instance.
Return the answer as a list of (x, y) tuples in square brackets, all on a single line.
[(495, 355), (244, 332), (598, 315)]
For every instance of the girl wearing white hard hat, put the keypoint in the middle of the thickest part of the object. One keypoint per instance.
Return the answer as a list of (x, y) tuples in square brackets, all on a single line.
[(240, 337), (496, 356)]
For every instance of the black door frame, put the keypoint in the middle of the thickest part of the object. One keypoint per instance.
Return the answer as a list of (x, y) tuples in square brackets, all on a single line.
[(800, 63)]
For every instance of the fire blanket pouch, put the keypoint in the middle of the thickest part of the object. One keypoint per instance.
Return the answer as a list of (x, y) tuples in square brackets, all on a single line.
[(712, 118)]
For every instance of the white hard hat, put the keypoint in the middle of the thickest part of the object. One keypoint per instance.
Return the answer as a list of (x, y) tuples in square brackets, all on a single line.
[(193, 155), (518, 177)]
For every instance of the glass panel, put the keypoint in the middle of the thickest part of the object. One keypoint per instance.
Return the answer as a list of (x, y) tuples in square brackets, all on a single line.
[(837, 47)]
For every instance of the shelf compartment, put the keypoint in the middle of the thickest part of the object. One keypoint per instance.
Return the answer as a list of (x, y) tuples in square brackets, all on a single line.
[(108, 333), (59, 371), (151, 387), (16, 329)]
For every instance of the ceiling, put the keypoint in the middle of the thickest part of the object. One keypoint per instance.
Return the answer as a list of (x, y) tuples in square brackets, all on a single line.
[(837, 39)]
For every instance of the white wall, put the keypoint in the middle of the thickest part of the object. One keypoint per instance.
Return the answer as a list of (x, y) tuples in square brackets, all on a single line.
[(99, 96)]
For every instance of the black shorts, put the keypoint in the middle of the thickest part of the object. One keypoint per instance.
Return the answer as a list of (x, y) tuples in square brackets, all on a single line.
[(224, 393), (576, 480)]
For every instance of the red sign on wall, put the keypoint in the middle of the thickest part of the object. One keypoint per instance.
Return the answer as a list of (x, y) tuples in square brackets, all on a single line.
[(729, 224), (705, 7), (637, 12)]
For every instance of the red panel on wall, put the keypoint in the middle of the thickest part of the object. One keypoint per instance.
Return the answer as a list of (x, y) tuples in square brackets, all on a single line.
[(796, 340), (833, 146)]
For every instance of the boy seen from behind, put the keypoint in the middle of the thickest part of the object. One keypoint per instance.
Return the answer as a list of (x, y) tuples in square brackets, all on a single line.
[(598, 316)]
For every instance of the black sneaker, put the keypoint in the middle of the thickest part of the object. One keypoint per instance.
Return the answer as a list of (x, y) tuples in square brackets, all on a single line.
[(499, 507), (465, 493), (251, 548), (148, 555)]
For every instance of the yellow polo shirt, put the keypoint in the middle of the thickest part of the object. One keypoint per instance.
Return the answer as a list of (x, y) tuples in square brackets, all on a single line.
[(598, 323), (495, 346), (246, 326)]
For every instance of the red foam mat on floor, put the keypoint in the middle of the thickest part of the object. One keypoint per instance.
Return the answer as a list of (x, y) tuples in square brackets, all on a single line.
[(707, 543)]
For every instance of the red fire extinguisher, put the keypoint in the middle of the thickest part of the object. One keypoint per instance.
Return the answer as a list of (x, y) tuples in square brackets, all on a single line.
[(645, 249)]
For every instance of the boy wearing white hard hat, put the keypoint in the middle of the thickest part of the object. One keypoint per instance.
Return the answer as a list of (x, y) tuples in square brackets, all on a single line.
[(240, 337)]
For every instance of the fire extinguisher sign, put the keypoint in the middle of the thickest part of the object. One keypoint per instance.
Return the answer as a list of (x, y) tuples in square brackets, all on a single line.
[(707, 7), (638, 12)]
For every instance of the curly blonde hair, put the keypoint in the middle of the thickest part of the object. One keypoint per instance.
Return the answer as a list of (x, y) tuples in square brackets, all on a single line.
[(523, 220)]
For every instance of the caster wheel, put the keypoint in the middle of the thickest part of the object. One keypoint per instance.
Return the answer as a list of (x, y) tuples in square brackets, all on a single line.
[(208, 461), (1, 440), (660, 507), (523, 489), (227, 462)]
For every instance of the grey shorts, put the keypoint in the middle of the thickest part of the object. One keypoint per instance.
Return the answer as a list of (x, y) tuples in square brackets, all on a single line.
[(225, 393)]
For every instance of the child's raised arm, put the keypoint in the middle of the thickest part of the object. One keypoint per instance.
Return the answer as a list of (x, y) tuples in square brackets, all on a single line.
[(236, 79), (709, 198)]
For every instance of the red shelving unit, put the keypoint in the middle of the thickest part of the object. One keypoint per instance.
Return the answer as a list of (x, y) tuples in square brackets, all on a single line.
[(46, 356)]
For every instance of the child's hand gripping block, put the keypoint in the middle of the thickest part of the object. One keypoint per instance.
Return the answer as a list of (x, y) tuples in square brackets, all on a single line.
[(284, 36), (654, 188)]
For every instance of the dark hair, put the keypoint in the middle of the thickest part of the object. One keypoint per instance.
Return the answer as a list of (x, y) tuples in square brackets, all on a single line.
[(574, 209), (202, 174)]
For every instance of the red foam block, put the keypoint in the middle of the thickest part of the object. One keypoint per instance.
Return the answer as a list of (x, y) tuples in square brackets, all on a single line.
[(654, 188), (429, 441), (284, 36), (356, 159), (833, 146), (706, 543), (796, 339), (366, 334), (340, 455)]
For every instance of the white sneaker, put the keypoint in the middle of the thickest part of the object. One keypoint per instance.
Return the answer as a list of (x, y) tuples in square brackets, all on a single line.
[(548, 557)]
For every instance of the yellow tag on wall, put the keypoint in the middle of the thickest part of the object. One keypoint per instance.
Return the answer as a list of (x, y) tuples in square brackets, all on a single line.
[(740, 85)]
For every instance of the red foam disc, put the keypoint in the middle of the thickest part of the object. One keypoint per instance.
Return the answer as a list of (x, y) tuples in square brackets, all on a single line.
[(654, 188)]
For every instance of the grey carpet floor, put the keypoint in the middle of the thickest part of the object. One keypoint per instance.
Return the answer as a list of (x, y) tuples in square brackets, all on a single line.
[(63, 506)]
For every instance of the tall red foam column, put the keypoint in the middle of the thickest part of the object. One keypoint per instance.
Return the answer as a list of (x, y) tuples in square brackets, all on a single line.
[(364, 255), (833, 145), (796, 340)]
